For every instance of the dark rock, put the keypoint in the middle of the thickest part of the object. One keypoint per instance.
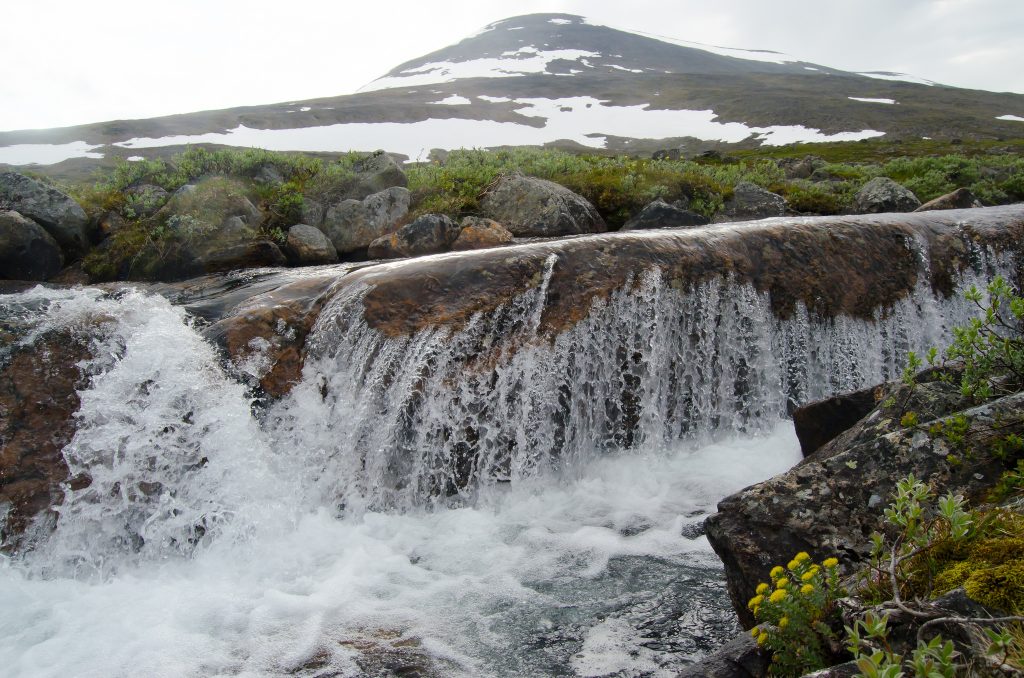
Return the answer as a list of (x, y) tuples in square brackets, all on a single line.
[(479, 233), (428, 234), (72, 275), (312, 212), (961, 198), (801, 168), (749, 202), (660, 214), (206, 205), (352, 225), (27, 251), (375, 173), (268, 174), (738, 658), (308, 246), (62, 217), (530, 206), (109, 224), (882, 194), (252, 254), (143, 201), (844, 670), (817, 423), (667, 154), (831, 502)]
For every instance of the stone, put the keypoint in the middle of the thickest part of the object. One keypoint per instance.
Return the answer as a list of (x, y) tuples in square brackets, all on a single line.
[(308, 246), (143, 201), (801, 168), (251, 254), (312, 212), (480, 233), (961, 198), (27, 251), (738, 658), (207, 204), (749, 202), (352, 225), (375, 173), (882, 194), (818, 423), (528, 206), (428, 234), (660, 214), (62, 217), (109, 224)]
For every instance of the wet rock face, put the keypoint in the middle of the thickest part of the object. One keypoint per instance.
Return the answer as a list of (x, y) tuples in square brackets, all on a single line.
[(352, 225), (660, 214), (27, 252), (38, 396), (882, 194), (528, 206), (831, 502), (58, 214), (749, 202), (428, 234)]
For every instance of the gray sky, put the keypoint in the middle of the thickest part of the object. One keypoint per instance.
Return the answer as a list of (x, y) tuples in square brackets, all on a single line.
[(65, 62)]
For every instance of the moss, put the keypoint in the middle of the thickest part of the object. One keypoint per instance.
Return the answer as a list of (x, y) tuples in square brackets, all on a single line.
[(1000, 587)]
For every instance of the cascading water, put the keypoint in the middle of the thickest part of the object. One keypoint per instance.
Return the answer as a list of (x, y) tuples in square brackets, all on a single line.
[(480, 501)]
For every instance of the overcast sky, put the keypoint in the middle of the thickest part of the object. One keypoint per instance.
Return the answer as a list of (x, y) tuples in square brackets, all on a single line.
[(66, 62)]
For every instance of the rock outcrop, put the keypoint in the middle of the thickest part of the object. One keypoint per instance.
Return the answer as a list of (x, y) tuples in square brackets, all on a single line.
[(882, 194), (352, 225), (308, 246), (660, 214), (375, 173), (428, 234), (27, 251), (479, 233), (528, 206), (62, 217), (750, 202), (961, 198), (818, 423)]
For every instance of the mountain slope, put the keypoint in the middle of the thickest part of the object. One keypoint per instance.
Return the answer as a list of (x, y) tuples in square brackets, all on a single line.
[(558, 79)]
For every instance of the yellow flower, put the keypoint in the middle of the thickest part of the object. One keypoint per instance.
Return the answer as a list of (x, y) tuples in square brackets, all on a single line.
[(762, 588), (756, 631), (782, 583), (755, 602), (762, 639), (808, 576), (801, 557), (807, 589), (777, 572), (830, 562), (778, 596), (793, 564), (784, 622)]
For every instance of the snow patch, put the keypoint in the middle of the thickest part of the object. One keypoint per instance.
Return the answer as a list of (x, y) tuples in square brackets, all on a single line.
[(1016, 118), (453, 100), (872, 101), (901, 77), (46, 154), (305, 108), (559, 21), (810, 68), (628, 70), (494, 100), (134, 158)]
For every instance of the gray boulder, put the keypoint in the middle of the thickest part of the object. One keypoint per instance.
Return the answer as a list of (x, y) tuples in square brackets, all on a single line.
[(660, 214), (312, 212), (62, 217), (749, 202), (352, 225), (801, 168), (531, 206), (376, 172), (308, 246), (479, 233), (882, 194), (961, 198), (428, 234), (27, 251)]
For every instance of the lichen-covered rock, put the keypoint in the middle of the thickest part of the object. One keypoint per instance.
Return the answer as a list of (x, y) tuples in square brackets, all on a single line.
[(308, 246), (352, 225), (660, 214), (528, 206), (27, 251), (428, 234), (750, 202), (961, 198), (882, 194), (831, 502), (375, 173), (479, 233), (62, 217)]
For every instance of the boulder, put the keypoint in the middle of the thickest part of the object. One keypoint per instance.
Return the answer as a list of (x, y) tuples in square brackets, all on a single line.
[(374, 173), (738, 658), (312, 212), (882, 194), (210, 202), (961, 198), (428, 234), (801, 168), (660, 214), (829, 504), (479, 233), (352, 225), (62, 217), (308, 246), (251, 254), (818, 423), (109, 224), (27, 251), (143, 201), (749, 202), (528, 206)]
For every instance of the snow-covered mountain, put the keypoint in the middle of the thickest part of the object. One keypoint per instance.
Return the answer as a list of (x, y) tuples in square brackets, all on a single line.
[(560, 79)]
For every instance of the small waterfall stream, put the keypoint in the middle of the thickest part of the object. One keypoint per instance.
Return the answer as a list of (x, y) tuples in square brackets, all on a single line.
[(476, 501)]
